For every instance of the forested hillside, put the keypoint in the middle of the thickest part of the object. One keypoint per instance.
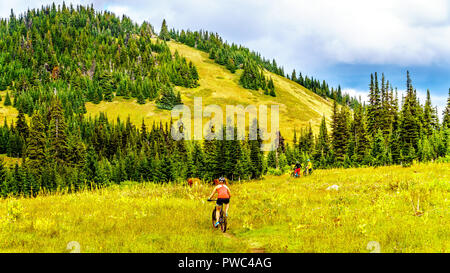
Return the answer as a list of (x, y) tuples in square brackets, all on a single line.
[(62, 66), (385, 131), (85, 55)]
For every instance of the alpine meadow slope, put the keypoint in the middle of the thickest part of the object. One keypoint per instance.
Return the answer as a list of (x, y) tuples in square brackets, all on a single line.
[(298, 105)]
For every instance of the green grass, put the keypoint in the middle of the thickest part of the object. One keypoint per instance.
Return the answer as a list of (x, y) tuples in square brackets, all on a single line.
[(277, 214), (7, 112), (10, 161)]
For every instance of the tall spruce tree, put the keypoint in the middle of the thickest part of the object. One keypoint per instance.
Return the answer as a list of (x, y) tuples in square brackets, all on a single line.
[(446, 113), (7, 100), (22, 126), (256, 155), (340, 134), (322, 146), (410, 124), (198, 160), (210, 155), (164, 33), (36, 149), (374, 107), (3, 183), (428, 119), (57, 132), (106, 84), (359, 134), (378, 151)]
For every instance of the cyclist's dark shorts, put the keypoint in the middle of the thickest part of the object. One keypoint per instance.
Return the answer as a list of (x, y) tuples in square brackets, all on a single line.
[(221, 201)]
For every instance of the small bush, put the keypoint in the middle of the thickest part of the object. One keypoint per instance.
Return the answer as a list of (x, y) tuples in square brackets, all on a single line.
[(272, 171), (15, 210)]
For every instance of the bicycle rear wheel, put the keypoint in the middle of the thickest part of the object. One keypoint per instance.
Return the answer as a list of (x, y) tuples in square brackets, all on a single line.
[(214, 218), (223, 223)]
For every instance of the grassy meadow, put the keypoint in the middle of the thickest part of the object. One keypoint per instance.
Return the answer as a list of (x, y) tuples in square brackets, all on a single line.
[(7, 112), (403, 209)]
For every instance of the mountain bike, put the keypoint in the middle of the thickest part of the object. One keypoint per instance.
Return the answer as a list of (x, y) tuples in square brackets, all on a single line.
[(305, 172), (222, 217), (293, 174)]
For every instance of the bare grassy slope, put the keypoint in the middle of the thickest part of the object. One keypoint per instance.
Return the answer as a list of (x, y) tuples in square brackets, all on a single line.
[(298, 105)]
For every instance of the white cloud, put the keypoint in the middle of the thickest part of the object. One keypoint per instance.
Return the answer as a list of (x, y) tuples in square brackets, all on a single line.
[(364, 95), (401, 32), (310, 36)]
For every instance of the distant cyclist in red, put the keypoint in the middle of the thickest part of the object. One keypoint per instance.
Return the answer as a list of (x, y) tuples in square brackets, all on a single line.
[(298, 169), (223, 197)]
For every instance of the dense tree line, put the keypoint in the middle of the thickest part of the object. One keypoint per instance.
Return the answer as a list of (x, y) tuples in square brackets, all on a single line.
[(60, 152), (86, 56), (322, 89), (383, 132), (232, 56)]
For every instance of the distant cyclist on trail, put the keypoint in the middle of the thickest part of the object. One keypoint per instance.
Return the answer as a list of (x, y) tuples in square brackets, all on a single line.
[(298, 169), (309, 167), (223, 197)]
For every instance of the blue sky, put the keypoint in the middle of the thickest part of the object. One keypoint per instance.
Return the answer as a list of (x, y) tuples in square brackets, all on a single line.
[(339, 41)]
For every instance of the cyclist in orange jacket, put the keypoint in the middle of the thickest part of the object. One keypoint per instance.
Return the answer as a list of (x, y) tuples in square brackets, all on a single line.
[(223, 197)]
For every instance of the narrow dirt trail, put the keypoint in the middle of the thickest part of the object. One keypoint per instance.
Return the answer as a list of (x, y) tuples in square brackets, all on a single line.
[(251, 246)]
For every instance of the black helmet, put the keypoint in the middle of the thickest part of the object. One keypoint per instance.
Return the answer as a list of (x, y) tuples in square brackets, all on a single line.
[(222, 179)]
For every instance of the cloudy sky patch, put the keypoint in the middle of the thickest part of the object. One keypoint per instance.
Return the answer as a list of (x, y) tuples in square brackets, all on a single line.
[(339, 41)]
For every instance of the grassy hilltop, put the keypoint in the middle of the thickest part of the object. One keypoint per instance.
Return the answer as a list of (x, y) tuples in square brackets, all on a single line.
[(403, 209)]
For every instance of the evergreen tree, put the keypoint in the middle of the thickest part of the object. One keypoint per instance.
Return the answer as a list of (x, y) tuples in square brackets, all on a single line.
[(198, 160), (57, 132), (256, 155), (3, 183), (359, 134), (446, 113), (168, 99), (140, 98), (378, 152), (271, 88), (395, 147), (210, 154), (36, 149), (21, 125), (164, 33), (323, 143), (106, 84), (340, 134), (230, 65), (374, 108), (410, 126), (272, 159), (76, 151), (7, 100), (428, 122)]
